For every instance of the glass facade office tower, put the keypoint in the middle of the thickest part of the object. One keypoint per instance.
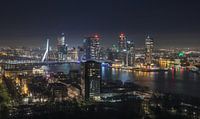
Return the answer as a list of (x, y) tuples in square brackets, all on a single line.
[(149, 45)]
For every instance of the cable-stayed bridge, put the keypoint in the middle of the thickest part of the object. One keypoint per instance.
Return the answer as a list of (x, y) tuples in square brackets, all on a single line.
[(28, 60), (45, 56), (43, 61)]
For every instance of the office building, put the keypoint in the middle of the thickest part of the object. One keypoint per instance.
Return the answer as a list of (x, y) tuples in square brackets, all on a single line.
[(91, 74), (122, 42), (122, 48), (130, 53), (92, 48), (62, 48), (149, 45)]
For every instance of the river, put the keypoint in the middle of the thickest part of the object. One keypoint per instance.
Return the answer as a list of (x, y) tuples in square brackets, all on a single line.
[(179, 81)]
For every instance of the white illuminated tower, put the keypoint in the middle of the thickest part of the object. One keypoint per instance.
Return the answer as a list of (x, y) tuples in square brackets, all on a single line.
[(46, 52), (62, 48), (149, 45)]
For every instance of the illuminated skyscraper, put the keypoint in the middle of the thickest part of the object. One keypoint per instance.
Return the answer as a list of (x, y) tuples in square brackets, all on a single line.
[(92, 78), (80, 53), (62, 48), (92, 47), (130, 53), (149, 45), (122, 48), (122, 42), (72, 54), (61, 40)]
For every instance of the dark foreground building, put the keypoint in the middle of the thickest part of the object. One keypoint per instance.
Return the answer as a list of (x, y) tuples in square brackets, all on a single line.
[(92, 79)]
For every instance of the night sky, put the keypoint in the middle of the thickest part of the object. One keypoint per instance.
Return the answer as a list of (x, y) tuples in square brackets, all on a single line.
[(172, 23)]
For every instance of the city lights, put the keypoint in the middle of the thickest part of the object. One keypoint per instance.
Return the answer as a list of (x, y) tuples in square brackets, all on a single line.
[(130, 59)]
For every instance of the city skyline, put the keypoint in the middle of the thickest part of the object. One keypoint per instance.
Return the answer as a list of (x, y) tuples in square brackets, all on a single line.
[(53, 42), (170, 23), (115, 59)]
